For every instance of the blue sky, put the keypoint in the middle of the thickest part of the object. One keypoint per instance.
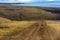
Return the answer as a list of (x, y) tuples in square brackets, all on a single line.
[(55, 3)]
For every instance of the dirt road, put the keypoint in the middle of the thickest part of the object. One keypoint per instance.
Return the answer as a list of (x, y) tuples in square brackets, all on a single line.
[(37, 31)]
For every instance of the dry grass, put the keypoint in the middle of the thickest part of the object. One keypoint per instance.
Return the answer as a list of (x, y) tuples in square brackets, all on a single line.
[(55, 25), (4, 20), (21, 25), (14, 25)]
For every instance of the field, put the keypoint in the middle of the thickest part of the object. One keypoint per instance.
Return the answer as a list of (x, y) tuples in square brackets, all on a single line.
[(15, 25), (29, 23), (14, 29)]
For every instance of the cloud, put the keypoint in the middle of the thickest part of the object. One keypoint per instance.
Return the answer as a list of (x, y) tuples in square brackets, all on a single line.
[(50, 0)]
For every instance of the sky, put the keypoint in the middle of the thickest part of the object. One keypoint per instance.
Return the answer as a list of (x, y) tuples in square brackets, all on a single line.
[(55, 3)]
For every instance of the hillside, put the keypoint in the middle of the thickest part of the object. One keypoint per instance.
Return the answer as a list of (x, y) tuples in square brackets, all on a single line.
[(52, 9), (29, 23), (26, 13), (4, 20)]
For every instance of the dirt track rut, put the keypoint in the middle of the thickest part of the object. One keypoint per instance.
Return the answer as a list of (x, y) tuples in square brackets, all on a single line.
[(37, 31)]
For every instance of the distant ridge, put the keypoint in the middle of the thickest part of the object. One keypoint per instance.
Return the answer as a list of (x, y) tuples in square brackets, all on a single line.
[(13, 12), (11, 3)]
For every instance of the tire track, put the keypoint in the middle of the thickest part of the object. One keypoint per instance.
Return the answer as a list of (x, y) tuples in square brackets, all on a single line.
[(31, 31), (37, 31)]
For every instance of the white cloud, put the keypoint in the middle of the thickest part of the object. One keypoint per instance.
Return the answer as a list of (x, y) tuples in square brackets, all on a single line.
[(24, 0), (50, 0), (7, 0), (11, 0), (17, 1)]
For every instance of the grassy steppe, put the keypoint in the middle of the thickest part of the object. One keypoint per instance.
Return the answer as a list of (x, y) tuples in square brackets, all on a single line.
[(14, 19), (14, 25), (21, 25)]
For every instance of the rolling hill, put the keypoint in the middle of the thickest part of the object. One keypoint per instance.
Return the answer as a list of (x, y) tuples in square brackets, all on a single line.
[(13, 12), (14, 24), (52, 9)]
